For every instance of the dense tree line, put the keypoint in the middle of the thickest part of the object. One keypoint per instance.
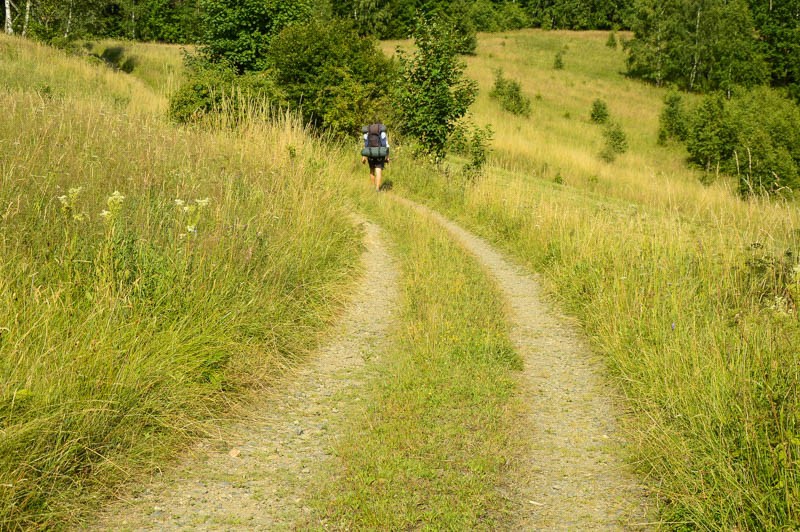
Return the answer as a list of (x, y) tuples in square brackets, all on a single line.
[(706, 45), (185, 20), (176, 21)]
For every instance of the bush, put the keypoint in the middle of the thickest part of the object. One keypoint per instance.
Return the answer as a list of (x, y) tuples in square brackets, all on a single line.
[(558, 62), (754, 136), (766, 150), (509, 93), (464, 31), (616, 142), (673, 123), (338, 79), (213, 88), (599, 114), (611, 42), (710, 138)]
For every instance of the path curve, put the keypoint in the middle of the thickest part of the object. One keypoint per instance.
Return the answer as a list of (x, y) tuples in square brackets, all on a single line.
[(257, 476), (573, 477)]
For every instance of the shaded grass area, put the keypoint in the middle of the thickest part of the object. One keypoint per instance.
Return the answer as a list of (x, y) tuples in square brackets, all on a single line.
[(149, 276), (430, 449)]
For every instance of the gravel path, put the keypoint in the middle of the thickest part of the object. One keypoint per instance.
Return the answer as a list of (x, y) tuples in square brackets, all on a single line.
[(573, 477), (257, 475)]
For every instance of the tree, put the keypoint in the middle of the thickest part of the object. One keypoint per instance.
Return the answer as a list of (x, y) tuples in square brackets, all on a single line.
[(778, 25), (433, 94), (699, 45), (9, 27), (238, 32), (339, 80)]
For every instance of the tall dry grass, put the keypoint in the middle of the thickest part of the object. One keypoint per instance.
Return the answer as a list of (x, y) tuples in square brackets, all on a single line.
[(690, 293), (149, 275)]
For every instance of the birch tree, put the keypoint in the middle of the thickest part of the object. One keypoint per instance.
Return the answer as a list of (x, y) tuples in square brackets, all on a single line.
[(9, 22)]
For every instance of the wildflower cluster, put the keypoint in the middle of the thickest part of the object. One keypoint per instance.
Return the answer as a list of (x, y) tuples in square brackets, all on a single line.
[(114, 204), (69, 204), (192, 213)]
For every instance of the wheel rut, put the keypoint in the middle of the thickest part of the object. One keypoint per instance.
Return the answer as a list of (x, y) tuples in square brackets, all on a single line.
[(258, 474), (573, 476)]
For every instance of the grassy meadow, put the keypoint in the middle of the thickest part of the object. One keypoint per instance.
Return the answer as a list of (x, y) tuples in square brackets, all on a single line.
[(149, 275), (689, 292)]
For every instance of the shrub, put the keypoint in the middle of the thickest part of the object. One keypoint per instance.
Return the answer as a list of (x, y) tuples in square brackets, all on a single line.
[(710, 138), (464, 31), (754, 136), (210, 87), (338, 79), (611, 42), (599, 114), (765, 154), (558, 62), (509, 93), (616, 142), (673, 123)]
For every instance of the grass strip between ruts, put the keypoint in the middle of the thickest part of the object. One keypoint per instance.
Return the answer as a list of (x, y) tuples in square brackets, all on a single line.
[(436, 431)]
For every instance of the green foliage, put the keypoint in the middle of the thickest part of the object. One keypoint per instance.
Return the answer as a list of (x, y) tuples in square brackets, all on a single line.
[(615, 142), (710, 137), (611, 42), (558, 61), (704, 45), (509, 93), (673, 122), (238, 32), (779, 41), (336, 78), (599, 113), (603, 14), (479, 149), (754, 136), (213, 87), (464, 32), (432, 93)]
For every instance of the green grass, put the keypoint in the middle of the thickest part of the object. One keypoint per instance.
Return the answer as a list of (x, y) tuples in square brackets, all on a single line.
[(122, 334), (432, 446), (689, 293)]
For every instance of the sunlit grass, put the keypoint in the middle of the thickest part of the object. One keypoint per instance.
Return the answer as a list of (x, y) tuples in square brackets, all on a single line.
[(149, 275), (689, 292)]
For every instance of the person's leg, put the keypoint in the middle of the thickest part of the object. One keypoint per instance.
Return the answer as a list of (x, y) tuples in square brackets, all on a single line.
[(378, 176)]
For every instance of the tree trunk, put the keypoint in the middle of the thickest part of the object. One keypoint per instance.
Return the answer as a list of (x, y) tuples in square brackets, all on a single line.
[(27, 18), (9, 27), (696, 51), (69, 20)]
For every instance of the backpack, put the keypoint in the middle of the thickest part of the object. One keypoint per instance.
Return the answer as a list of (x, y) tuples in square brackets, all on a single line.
[(375, 144)]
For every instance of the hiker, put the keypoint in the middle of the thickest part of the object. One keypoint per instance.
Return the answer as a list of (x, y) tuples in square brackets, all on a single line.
[(375, 152)]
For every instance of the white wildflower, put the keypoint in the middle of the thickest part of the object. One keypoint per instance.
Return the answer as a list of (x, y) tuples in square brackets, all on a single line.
[(179, 202), (202, 202)]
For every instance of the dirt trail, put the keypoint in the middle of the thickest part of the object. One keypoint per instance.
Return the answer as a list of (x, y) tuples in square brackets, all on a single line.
[(573, 477), (257, 475)]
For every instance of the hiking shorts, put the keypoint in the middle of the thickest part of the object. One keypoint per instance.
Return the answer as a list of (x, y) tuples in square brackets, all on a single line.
[(376, 162)]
